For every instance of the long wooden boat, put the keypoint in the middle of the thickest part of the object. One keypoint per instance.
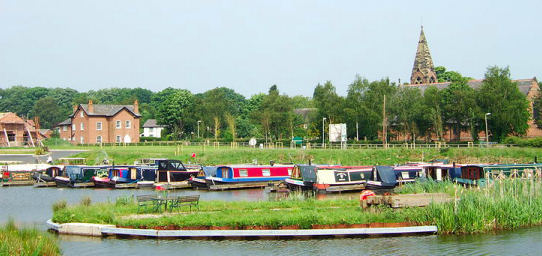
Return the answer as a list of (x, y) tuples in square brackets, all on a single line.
[(173, 171), (382, 177), (328, 178), (20, 174), (78, 176), (247, 176), (483, 174)]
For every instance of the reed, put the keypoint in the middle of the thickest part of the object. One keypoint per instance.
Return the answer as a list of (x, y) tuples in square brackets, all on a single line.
[(26, 241), (427, 186)]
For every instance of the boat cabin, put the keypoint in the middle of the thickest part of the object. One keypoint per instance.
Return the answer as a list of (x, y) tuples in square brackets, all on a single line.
[(78, 173), (482, 174), (253, 173), (173, 171)]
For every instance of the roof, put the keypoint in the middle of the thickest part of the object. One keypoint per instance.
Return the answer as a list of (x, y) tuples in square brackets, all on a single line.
[(151, 123), (65, 122), (10, 118), (107, 110), (523, 84)]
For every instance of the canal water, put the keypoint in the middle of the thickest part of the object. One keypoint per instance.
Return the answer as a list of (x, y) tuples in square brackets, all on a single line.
[(32, 206)]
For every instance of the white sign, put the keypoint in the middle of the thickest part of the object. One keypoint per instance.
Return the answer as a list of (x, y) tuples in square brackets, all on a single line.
[(252, 142), (337, 132)]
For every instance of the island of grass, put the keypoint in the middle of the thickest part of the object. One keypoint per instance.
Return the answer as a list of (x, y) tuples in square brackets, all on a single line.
[(506, 204), (26, 241)]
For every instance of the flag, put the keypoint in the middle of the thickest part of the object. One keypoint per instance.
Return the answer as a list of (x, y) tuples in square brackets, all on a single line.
[(193, 155)]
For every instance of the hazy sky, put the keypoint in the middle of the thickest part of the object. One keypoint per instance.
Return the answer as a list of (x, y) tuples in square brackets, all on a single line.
[(250, 45)]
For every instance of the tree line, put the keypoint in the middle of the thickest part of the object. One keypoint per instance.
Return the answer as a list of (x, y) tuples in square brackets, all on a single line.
[(223, 114)]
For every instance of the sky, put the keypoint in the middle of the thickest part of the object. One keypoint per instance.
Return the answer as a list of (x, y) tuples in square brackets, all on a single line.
[(250, 45)]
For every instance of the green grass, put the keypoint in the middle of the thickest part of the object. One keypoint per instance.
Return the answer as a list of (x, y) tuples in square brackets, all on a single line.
[(428, 186), (26, 241), (225, 155), (506, 205)]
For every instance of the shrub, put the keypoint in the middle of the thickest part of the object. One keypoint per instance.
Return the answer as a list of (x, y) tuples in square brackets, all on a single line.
[(86, 201), (59, 205)]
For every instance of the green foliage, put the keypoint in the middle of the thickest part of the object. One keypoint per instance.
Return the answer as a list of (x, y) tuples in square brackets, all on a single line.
[(449, 76), (175, 111), (508, 106), (524, 142), (26, 241), (59, 205)]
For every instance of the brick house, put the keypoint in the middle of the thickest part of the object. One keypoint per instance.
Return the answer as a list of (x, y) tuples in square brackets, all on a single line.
[(16, 131), (97, 123)]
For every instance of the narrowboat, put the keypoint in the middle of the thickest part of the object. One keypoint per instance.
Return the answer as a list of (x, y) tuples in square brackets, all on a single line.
[(77, 176), (124, 177), (147, 176), (407, 173), (49, 174), (174, 171), (440, 172), (20, 174), (101, 178), (199, 182), (382, 177), (482, 175), (328, 178), (247, 176)]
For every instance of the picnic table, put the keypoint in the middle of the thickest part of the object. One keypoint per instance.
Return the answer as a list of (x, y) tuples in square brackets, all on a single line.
[(156, 201)]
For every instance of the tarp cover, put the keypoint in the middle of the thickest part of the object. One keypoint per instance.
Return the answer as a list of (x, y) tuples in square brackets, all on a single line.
[(308, 173), (387, 175), (210, 171)]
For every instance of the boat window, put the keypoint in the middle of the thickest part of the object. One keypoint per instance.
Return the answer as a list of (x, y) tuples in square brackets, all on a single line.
[(266, 172), (243, 173)]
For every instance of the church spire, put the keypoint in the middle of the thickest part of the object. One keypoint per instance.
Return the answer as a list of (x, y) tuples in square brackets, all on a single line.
[(423, 71)]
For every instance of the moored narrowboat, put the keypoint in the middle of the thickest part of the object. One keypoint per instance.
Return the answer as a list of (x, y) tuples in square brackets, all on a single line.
[(440, 172), (199, 181), (147, 176), (482, 175), (20, 174), (77, 176), (407, 173), (382, 177), (173, 171), (247, 176)]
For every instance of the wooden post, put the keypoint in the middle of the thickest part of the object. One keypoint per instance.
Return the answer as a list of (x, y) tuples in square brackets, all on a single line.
[(384, 124)]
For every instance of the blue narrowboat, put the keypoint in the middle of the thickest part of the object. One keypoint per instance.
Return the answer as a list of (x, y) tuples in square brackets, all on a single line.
[(77, 176)]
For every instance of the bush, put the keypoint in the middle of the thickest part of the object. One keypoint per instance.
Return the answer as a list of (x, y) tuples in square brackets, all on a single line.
[(524, 142), (59, 205), (86, 201)]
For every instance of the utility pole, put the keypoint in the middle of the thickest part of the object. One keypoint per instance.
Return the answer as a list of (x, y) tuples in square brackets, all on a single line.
[(357, 131), (487, 136), (323, 131), (384, 125)]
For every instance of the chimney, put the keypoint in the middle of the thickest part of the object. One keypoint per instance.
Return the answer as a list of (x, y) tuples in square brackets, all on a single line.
[(90, 106), (136, 107)]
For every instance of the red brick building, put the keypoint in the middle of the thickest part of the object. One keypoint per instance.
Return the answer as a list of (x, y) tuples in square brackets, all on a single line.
[(423, 76), (97, 123)]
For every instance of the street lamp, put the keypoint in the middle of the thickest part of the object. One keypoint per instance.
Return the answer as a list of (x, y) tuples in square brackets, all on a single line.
[(487, 136), (199, 121), (323, 135)]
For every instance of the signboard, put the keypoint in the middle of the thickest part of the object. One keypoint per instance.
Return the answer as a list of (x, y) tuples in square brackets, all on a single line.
[(341, 176), (337, 132)]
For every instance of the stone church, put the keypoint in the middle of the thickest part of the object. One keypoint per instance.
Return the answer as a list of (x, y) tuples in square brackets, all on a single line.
[(424, 76)]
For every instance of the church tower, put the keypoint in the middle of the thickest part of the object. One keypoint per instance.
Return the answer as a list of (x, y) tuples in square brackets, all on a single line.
[(423, 71)]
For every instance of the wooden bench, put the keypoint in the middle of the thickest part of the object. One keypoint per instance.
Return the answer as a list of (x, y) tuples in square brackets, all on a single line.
[(147, 200), (185, 201)]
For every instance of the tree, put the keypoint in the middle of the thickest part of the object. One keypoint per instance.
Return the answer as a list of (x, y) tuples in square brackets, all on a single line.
[(175, 111), (460, 109), (275, 114), (363, 106), (327, 101), (501, 97), (432, 100), (449, 76), (49, 112), (407, 112)]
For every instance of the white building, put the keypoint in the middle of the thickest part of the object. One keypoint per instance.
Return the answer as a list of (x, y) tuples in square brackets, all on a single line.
[(152, 129)]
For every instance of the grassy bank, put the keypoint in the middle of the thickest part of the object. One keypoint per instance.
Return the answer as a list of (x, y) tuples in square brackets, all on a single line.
[(224, 155), (26, 241), (505, 205)]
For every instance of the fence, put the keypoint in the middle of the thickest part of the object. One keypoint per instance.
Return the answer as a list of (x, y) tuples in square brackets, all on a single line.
[(308, 145)]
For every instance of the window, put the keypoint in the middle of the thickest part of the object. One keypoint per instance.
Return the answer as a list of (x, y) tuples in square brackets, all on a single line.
[(82, 126), (118, 139), (73, 127), (99, 126), (266, 172), (81, 114), (82, 140), (289, 172), (118, 124), (65, 128), (243, 173), (99, 139), (128, 124), (151, 130)]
